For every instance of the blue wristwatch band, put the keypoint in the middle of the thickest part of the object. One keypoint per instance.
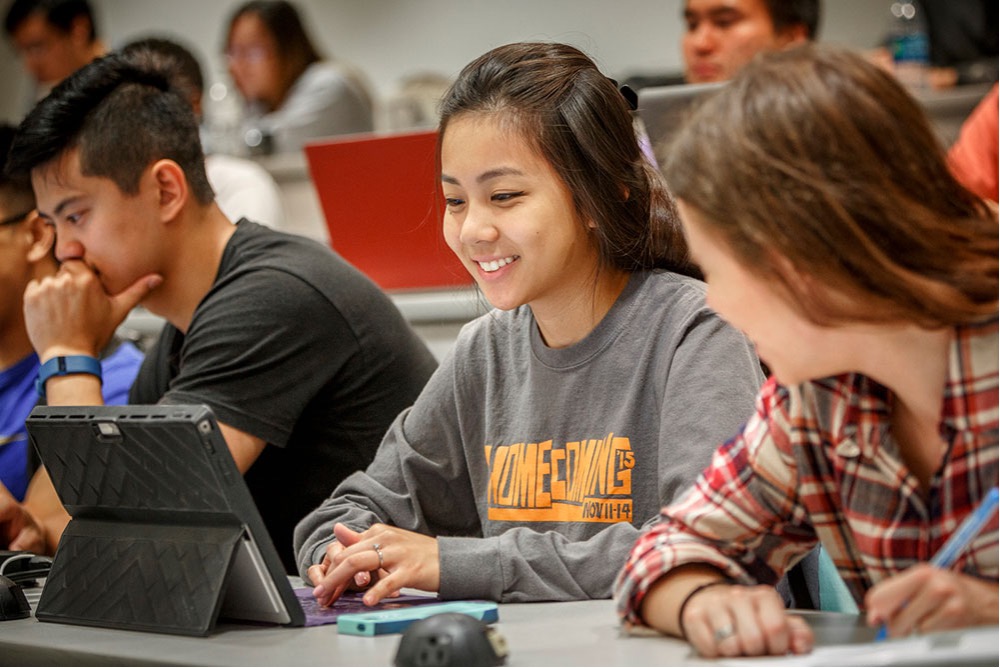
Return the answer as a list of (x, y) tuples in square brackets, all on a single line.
[(65, 365)]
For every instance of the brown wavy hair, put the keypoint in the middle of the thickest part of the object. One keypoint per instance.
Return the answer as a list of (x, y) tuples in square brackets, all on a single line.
[(554, 96), (816, 155)]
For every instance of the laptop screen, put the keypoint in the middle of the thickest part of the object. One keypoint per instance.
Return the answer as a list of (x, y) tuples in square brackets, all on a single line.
[(383, 207), (663, 110)]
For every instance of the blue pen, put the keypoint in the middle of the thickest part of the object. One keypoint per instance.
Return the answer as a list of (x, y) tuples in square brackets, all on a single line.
[(959, 540)]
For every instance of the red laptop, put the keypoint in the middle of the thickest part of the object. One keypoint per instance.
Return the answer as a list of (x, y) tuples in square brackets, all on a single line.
[(383, 206)]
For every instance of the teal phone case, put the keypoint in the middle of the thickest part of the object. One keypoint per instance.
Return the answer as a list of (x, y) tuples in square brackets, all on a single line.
[(395, 621)]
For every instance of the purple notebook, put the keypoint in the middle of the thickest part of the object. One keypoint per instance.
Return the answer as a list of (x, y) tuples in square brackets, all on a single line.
[(351, 602)]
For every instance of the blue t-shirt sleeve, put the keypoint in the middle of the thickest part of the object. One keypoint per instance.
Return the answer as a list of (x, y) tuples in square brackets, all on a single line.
[(119, 370), (17, 398)]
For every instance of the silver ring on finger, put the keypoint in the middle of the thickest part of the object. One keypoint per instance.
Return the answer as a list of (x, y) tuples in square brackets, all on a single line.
[(378, 550), (722, 633)]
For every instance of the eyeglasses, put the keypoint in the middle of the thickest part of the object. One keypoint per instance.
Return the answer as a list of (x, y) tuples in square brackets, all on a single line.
[(14, 220), (253, 54)]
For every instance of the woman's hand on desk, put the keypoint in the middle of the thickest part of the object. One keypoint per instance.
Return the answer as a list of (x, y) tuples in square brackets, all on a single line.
[(924, 598), (343, 537), (385, 557), (718, 618), (737, 620)]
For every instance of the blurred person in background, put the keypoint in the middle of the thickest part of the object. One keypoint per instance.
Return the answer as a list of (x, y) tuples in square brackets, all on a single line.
[(292, 93), (53, 38), (723, 35), (973, 157)]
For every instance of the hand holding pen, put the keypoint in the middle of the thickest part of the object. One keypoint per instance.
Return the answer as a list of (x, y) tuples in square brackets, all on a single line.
[(930, 597)]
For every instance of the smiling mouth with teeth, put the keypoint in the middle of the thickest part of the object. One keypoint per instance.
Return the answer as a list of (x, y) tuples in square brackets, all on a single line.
[(494, 265)]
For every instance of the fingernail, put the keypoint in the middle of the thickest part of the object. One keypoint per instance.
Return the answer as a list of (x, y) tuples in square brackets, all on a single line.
[(319, 591)]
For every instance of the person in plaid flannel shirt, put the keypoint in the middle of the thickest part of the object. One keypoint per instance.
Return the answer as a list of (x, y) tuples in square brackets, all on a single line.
[(818, 203)]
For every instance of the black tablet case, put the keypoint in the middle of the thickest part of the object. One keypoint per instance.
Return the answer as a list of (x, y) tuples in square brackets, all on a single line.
[(165, 535)]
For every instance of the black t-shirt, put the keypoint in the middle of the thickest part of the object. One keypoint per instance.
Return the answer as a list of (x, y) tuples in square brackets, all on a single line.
[(292, 345)]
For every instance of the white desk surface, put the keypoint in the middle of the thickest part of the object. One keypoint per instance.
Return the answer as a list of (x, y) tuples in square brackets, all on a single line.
[(582, 633)]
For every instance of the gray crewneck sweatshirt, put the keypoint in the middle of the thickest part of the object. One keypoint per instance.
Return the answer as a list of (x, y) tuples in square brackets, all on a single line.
[(537, 467)]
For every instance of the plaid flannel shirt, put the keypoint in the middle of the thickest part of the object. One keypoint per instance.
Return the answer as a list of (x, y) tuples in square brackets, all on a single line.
[(817, 462)]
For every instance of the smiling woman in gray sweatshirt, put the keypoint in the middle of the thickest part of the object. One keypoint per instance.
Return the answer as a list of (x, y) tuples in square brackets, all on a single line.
[(599, 387)]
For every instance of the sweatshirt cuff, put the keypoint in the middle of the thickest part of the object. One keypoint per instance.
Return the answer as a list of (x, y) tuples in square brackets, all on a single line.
[(470, 568), (310, 555)]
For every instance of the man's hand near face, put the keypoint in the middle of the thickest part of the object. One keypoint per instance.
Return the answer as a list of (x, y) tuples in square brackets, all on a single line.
[(71, 314)]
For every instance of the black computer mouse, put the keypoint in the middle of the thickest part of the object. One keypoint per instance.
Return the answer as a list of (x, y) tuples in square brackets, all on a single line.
[(13, 604), (451, 639)]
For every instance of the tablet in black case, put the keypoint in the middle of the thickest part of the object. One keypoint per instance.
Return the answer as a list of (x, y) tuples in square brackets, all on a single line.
[(165, 536)]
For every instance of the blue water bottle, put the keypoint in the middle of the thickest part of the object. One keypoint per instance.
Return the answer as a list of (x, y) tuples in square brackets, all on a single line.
[(909, 44)]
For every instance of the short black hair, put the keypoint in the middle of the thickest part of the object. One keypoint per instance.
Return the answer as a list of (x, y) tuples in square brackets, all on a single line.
[(15, 189), (122, 118), (58, 13), (788, 13), (170, 57)]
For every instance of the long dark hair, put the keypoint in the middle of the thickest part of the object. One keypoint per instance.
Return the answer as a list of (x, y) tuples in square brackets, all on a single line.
[(554, 96), (295, 50)]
